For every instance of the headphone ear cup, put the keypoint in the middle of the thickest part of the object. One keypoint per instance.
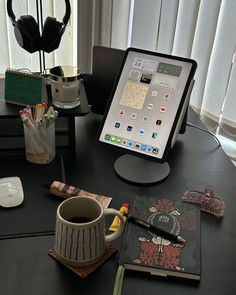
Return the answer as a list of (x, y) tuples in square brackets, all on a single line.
[(51, 35), (27, 33)]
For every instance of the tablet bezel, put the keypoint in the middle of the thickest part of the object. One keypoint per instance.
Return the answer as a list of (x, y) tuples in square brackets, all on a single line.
[(169, 143)]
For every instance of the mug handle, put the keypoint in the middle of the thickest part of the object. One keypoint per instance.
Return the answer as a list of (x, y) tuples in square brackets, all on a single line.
[(116, 234)]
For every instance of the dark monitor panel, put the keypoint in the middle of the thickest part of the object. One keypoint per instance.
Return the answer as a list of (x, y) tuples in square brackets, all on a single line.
[(105, 67)]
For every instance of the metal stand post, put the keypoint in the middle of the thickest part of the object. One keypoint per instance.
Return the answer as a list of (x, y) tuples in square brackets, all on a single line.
[(40, 23)]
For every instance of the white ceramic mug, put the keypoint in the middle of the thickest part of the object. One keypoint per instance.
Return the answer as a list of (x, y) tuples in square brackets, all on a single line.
[(80, 237)]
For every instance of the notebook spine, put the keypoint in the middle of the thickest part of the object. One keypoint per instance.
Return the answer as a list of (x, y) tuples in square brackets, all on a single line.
[(24, 72)]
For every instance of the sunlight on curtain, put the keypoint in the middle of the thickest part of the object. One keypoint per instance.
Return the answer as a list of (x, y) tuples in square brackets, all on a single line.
[(185, 27), (202, 46), (12, 55), (122, 11), (218, 83), (4, 48), (169, 11), (145, 30)]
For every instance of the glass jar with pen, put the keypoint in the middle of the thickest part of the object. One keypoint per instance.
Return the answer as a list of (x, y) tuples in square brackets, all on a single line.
[(39, 133)]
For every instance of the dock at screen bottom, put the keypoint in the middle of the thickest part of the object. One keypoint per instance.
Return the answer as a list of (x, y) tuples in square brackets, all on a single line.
[(132, 145)]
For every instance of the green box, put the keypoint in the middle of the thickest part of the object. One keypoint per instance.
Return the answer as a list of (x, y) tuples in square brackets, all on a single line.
[(24, 88)]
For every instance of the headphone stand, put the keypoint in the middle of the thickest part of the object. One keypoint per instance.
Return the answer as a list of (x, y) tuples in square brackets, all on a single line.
[(42, 57), (39, 8)]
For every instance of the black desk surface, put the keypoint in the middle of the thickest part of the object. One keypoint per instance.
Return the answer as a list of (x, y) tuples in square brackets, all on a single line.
[(36, 215), (195, 161)]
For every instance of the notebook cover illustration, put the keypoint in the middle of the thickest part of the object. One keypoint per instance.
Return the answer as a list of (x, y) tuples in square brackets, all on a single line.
[(144, 250)]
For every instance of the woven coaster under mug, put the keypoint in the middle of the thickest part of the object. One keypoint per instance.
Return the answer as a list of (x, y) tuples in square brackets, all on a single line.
[(85, 271)]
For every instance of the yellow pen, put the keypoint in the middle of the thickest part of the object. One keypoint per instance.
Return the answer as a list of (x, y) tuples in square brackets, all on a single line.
[(116, 222), (39, 111)]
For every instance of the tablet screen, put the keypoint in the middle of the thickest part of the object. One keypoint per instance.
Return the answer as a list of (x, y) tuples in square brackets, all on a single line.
[(146, 102)]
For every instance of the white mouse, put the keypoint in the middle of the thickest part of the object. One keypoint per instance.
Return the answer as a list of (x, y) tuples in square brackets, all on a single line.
[(11, 192)]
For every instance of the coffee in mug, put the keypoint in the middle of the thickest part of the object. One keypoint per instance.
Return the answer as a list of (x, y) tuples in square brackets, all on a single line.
[(80, 238)]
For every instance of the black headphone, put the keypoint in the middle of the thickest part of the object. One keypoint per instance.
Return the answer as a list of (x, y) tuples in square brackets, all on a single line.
[(27, 30)]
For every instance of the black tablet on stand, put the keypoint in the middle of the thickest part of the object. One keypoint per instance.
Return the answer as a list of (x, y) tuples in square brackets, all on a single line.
[(145, 112)]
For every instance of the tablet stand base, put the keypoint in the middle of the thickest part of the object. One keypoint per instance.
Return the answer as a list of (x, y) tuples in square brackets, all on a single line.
[(140, 171)]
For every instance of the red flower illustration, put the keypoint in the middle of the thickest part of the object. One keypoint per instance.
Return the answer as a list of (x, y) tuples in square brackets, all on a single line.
[(165, 205), (169, 258), (149, 253)]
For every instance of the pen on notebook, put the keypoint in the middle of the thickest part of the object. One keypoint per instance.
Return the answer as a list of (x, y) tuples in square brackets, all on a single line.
[(163, 233)]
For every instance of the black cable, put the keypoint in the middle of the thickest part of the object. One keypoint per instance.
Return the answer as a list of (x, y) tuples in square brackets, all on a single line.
[(63, 173), (202, 129)]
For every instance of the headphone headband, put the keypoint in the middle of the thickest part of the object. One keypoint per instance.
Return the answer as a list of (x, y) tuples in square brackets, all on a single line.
[(13, 17), (10, 11), (67, 13), (28, 34)]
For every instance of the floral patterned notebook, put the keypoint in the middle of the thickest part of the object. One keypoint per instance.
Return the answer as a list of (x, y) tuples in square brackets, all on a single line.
[(143, 250)]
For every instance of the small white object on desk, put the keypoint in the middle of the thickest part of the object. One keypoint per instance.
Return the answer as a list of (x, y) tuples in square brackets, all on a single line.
[(11, 192)]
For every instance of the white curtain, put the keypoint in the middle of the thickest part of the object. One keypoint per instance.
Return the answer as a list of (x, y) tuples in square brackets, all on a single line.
[(219, 101), (13, 56)]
